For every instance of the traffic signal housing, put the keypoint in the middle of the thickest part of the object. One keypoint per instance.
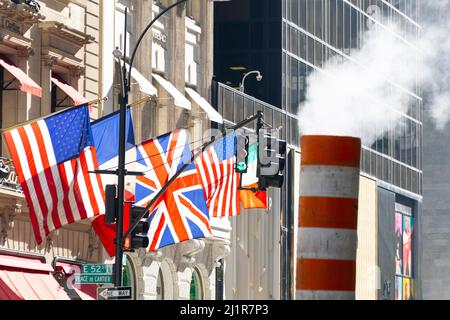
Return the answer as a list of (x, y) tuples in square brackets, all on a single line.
[(138, 237), (242, 147), (272, 160), (111, 204)]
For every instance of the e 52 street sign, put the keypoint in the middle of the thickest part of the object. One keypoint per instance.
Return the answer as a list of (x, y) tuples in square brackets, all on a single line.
[(97, 269), (121, 293)]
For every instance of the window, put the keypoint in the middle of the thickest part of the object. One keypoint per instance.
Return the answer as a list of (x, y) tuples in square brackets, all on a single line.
[(129, 279), (196, 292)]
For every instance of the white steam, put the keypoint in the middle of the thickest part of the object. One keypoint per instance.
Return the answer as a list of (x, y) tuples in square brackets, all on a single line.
[(355, 98)]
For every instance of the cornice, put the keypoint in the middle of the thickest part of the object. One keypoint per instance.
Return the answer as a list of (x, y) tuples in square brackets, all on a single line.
[(65, 32)]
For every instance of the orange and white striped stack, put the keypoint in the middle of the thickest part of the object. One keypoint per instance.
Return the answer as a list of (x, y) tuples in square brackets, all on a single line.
[(328, 217)]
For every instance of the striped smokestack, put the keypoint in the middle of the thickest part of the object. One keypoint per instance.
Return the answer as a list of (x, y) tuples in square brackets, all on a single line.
[(328, 215)]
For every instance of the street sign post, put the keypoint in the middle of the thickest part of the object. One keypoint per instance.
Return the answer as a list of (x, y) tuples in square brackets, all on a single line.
[(120, 293)]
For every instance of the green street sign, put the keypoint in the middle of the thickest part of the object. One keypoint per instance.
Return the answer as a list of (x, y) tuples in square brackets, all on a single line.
[(93, 278), (97, 269)]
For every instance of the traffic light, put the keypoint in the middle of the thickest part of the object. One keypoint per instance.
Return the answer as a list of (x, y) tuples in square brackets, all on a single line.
[(110, 204), (242, 146), (138, 237), (272, 162)]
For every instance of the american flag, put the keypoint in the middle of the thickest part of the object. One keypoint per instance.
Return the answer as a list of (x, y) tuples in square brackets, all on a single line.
[(53, 157), (216, 168), (181, 213)]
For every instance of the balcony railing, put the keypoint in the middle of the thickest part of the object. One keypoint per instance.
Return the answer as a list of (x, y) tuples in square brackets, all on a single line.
[(8, 176), (236, 106)]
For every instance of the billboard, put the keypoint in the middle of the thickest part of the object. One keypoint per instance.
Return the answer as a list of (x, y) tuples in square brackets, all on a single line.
[(403, 230)]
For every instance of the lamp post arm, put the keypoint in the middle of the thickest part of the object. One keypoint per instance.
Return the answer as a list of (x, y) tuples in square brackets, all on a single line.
[(245, 77), (141, 37)]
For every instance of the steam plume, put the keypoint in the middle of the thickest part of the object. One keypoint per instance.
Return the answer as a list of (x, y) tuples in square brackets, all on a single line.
[(355, 98)]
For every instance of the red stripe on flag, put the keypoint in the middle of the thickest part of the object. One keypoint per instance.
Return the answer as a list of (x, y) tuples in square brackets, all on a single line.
[(75, 165), (156, 161), (65, 186), (98, 177), (157, 232), (48, 174), (173, 144), (147, 181), (90, 189), (35, 178), (195, 212), (23, 184)]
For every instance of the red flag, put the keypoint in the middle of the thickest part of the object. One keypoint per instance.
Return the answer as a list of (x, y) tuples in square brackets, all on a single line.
[(253, 200), (107, 233)]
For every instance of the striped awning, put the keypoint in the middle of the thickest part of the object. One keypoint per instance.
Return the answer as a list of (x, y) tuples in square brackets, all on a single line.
[(212, 113), (28, 279), (26, 83), (77, 98), (179, 99)]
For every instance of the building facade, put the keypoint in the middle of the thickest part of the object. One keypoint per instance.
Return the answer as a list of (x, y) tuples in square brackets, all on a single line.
[(49, 60), (173, 67), (60, 55), (289, 40)]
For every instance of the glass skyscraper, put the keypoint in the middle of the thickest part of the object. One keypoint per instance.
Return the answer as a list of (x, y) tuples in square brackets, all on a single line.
[(287, 40)]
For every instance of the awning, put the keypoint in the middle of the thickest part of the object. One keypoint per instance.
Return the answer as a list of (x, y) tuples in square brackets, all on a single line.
[(26, 83), (28, 279), (144, 85), (77, 98), (213, 115), (84, 291), (180, 99)]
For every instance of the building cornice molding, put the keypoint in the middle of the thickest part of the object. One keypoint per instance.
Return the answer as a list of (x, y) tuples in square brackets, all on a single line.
[(54, 57), (66, 33), (21, 13)]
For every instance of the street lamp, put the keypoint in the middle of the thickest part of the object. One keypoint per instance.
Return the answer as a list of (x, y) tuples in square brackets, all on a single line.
[(259, 77), (121, 172)]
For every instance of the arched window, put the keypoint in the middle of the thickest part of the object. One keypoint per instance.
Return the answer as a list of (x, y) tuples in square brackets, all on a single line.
[(160, 286), (129, 277), (196, 292)]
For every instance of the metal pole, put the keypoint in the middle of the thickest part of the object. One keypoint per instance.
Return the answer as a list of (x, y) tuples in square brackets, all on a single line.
[(123, 101), (141, 37), (121, 171)]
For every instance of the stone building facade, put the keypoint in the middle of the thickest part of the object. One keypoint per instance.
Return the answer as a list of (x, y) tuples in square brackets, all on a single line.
[(49, 60), (178, 50), (71, 42)]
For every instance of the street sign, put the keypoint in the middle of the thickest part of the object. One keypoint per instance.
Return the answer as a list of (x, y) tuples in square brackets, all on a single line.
[(93, 278), (121, 293), (97, 269)]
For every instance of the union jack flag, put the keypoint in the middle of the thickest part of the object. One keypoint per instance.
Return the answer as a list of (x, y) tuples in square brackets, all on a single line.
[(53, 158), (216, 168), (181, 213)]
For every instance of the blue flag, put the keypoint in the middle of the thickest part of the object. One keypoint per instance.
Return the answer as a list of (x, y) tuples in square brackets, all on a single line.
[(106, 136)]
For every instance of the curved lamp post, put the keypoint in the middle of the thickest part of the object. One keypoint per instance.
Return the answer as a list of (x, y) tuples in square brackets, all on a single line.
[(125, 86), (259, 77)]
